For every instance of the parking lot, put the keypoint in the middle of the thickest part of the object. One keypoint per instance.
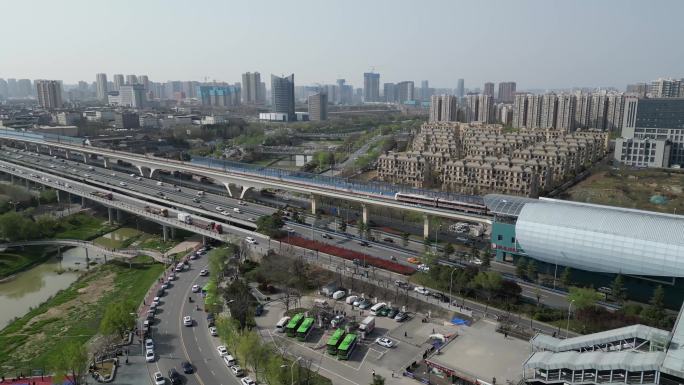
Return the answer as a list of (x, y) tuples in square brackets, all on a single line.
[(410, 338)]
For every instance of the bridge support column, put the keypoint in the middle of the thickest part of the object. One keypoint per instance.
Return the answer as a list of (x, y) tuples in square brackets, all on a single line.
[(107, 163), (364, 215), (204, 240), (27, 183), (83, 202), (230, 193), (110, 213), (165, 232), (152, 170), (426, 227), (50, 151), (57, 194), (85, 157), (173, 233), (140, 170), (12, 178), (313, 204), (119, 216), (67, 154), (244, 191)]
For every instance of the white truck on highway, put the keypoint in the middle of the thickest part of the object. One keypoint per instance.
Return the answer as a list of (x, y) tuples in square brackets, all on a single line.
[(185, 218), (367, 325)]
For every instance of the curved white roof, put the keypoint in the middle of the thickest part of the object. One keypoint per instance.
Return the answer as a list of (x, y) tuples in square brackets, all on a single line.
[(602, 238)]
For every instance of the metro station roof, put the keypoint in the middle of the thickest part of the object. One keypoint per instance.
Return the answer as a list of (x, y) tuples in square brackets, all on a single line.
[(507, 205), (627, 360)]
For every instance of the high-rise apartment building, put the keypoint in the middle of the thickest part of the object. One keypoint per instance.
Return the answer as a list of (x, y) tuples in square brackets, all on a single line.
[(24, 88), (599, 109), (470, 113), (534, 111), (443, 108), (425, 92), (506, 92), (145, 81), (548, 111), (582, 110), (565, 117), (218, 95), (49, 93), (405, 91), (101, 84), (318, 106), (371, 87), (460, 88), (390, 92), (667, 88), (131, 79), (282, 95), (118, 81), (12, 89), (616, 111), (486, 111), (251, 84), (488, 89), (131, 95), (346, 92), (4, 90), (520, 110), (639, 89)]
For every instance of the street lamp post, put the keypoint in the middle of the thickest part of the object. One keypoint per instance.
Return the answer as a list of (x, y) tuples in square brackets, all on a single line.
[(292, 369), (567, 326), (451, 281)]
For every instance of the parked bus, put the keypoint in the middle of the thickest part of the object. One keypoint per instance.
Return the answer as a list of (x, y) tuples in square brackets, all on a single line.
[(291, 328), (305, 328), (347, 346), (334, 341)]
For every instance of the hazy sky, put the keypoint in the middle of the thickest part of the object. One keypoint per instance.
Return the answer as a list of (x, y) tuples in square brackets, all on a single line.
[(538, 43)]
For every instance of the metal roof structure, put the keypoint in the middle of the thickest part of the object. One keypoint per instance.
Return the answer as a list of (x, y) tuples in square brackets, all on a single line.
[(626, 360), (674, 359), (642, 332), (507, 205)]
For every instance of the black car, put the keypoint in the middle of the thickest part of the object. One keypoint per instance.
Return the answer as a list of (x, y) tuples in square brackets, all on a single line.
[(364, 243), (259, 310), (388, 240), (187, 367), (210, 316), (175, 377)]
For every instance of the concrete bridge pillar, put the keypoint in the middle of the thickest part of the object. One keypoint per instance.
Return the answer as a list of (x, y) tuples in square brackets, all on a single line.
[(364, 217), (57, 194), (107, 162), (152, 171), (27, 184), (204, 240), (244, 191), (12, 178), (313, 205), (85, 157), (110, 212), (230, 193), (50, 151), (67, 154), (426, 227), (140, 170), (83, 202), (119, 216), (173, 233), (165, 232)]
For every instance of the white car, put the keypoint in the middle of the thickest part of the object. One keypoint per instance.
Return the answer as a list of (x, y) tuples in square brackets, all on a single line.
[(219, 208), (423, 267), (132, 175), (204, 272), (247, 381), (149, 344), (476, 261), (242, 203), (222, 350), (138, 178), (237, 371), (159, 379), (195, 288), (156, 301), (237, 210), (187, 320), (386, 342), (149, 355), (213, 331), (421, 290), (251, 240)]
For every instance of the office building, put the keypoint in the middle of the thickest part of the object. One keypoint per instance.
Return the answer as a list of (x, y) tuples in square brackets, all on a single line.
[(251, 88), (318, 107), (346, 92), (218, 95), (506, 92), (131, 79), (126, 120), (443, 108), (534, 111), (282, 96), (488, 89), (132, 96), (548, 111), (333, 93), (49, 93), (371, 87), (145, 81), (405, 91), (101, 84), (652, 124), (485, 108), (425, 92), (520, 110), (667, 88), (390, 92), (460, 88), (565, 115), (24, 88), (118, 81)]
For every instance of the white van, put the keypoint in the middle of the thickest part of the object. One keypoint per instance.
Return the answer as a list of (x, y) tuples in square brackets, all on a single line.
[(160, 184), (350, 300), (339, 294), (280, 326), (229, 360), (377, 307)]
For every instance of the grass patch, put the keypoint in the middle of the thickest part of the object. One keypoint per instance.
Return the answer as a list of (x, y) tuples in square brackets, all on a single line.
[(157, 243), (119, 238), (73, 313), (17, 260), (84, 227)]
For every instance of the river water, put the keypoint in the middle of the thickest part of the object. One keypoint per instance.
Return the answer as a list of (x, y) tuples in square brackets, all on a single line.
[(32, 287)]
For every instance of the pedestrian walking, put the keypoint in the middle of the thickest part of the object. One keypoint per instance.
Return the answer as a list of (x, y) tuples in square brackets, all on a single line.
[(393, 374), (405, 334), (373, 372)]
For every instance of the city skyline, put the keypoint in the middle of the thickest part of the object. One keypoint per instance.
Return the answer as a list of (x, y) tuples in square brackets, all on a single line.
[(493, 54)]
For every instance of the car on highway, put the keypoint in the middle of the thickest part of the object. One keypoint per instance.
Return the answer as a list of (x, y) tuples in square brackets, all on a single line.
[(196, 200), (401, 316), (149, 355), (219, 208), (247, 381), (138, 178), (237, 371), (242, 203), (421, 290), (388, 240), (413, 260), (213, 331), (159, 378), (204, 272), (187, 320), (175, 377), (289, 229), (364, 243), (149, 344), (237, 210), (222, 350), (251, 240), (423, 267), (187, 367), (384, 341), (327, 236), (195, 288)]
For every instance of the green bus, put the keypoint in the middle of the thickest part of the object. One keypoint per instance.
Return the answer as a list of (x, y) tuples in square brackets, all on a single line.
[(334, 341), (305, 328), (291, 328), (347, 346)]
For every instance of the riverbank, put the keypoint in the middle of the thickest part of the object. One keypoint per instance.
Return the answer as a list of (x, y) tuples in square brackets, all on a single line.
[(16, 261), (74, 313)]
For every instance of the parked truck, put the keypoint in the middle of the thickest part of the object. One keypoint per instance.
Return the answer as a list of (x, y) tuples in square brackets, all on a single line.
[(215, 227), (367, 325), (102, 194), (157, 210), (185, 218)]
